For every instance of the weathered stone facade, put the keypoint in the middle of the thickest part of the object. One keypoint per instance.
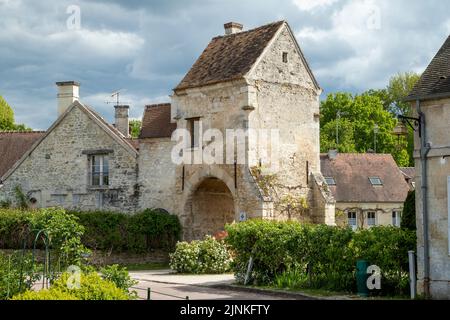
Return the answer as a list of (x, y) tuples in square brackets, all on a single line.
[(275, 90), (56, 171), (437, 115)]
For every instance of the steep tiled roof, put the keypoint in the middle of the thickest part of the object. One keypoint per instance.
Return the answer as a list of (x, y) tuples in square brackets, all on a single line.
[(229, 57), (409, 172), (156, 122), (13, 146), (351, 173), (435, 81)]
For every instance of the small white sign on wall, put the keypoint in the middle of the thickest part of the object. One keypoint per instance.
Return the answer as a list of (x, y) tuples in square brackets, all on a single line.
[(448, 212)]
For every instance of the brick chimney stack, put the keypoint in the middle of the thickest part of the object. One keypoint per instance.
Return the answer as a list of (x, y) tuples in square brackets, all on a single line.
[(232, 28)]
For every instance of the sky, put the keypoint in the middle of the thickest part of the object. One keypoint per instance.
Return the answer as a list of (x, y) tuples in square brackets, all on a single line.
[(146, 47)]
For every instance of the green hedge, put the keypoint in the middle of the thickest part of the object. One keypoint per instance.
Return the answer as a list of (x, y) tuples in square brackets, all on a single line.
[(109, 231), (324, 257)]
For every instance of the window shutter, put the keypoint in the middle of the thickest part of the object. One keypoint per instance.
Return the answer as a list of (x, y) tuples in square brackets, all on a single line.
[(448, 212)]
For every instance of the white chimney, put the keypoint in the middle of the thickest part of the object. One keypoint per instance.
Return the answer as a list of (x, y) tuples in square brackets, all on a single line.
[(68, 93), (232, 28), (122, 122)]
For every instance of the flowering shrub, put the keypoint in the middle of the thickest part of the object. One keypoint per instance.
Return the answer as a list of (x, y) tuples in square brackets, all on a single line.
[(201, 257)]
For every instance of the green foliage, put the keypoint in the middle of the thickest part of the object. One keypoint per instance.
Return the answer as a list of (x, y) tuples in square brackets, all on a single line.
[(92, 287), (359, 115), (408, 221), (7, 118), (318, 257), (108, 231), (201, 257), (16, 274), (135, 128), (144, 231), (21, 198), (49, 295), (64, 231), (120, 277), (398, 89)]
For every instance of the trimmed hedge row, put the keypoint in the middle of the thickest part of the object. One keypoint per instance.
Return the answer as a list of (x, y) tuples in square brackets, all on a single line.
[(107, 231), (324, 257)]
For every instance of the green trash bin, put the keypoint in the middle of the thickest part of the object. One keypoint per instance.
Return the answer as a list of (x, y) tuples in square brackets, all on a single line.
[(361, 277)]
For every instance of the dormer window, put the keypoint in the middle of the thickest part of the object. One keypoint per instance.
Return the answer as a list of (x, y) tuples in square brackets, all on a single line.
[(285, 57), (330, 181), (376, 181)]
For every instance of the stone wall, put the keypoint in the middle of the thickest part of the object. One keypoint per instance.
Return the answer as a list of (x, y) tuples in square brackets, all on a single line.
[(438, 134), (383, 212), (286, 99), (56, 173)]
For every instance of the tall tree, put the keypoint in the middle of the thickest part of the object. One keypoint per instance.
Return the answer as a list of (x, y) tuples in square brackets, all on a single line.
[(398, 89), (6, 115), (7, 118), (135, 128)]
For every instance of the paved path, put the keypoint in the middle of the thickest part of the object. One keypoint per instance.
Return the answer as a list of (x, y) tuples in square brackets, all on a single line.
[(165, 285)]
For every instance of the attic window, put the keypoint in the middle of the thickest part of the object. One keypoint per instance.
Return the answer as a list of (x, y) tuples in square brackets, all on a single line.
[(330, 181), (375, 181), (285, 57)]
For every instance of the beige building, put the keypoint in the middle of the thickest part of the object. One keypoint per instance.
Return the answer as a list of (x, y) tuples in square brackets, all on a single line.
[(369, 189), (256, 80), (430, 100)]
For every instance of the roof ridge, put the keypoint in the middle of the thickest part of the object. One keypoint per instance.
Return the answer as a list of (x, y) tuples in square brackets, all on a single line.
[(148, 106), (250, 30)]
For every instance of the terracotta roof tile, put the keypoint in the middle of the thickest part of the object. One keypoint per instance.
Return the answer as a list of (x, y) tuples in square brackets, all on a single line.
[(156, 122), (13, 146), (229, 57), (352, 172), (435, 81)]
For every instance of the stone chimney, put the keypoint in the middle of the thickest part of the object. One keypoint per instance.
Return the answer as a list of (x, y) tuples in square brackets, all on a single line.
[(232, 28), (68, 93), (122, 122)]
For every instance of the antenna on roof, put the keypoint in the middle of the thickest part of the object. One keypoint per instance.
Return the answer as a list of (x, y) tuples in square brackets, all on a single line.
[(116, 94)]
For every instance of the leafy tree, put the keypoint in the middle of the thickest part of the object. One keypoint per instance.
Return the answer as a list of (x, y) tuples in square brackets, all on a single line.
[(6, 115), (7, 118), (409, 212), (398, 89), (359, 116), (135, 128)]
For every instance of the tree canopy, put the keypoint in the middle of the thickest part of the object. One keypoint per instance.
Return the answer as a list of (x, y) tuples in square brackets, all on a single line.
[(7, 122), (365, 122)]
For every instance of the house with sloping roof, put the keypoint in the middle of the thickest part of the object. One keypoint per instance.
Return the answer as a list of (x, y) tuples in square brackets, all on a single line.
[(430, 100), (205, 156), (369, 189)]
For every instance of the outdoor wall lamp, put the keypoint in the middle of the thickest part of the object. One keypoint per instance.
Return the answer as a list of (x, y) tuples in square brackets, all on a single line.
[(414, 123)]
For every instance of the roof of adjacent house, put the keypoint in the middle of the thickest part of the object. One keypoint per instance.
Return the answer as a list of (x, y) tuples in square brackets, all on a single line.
[(231, 57), (352, 173), (409, 172), (13, 146), (435, 81), (156, 122)]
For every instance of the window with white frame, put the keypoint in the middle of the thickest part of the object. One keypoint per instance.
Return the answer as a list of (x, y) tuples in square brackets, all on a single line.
[(194, 127), (352, 220), (371, 218), (99, 170), (396, 218)]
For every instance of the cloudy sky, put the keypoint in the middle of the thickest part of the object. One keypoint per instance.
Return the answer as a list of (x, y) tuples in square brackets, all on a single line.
[(145, 47)]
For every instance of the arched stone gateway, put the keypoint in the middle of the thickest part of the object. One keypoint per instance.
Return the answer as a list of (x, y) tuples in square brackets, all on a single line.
[(209, 206)]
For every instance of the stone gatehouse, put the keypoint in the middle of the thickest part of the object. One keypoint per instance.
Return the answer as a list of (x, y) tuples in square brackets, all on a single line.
[(257, 79)]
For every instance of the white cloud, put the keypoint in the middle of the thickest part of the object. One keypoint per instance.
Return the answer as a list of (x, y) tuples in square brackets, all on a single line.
[(310, 5)]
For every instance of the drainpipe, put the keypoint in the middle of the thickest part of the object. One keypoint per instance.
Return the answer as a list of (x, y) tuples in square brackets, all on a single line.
[(424, 150)]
